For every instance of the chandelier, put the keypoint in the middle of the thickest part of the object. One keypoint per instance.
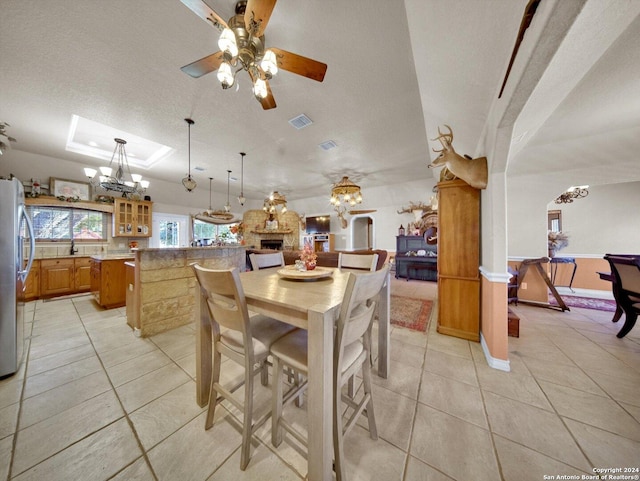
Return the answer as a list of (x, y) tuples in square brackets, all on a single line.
[(216, 216), (274, 201), (188, 181), (345, 192), (574, 192), (116, 181)]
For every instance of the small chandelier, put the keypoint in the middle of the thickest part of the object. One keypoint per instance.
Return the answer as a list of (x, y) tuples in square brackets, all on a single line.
[(574, 192), (241, 198), (116, 181), (345, 192), (274, 201), (188, 181), (215, 216)]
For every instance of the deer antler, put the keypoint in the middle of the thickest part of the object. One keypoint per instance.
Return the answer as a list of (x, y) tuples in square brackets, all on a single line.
[(445, 139)]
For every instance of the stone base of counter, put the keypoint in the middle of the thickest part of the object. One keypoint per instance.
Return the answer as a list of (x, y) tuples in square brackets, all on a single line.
[(165, 286)]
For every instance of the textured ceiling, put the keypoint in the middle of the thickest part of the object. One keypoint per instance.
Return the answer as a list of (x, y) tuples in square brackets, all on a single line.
[(396, 70)]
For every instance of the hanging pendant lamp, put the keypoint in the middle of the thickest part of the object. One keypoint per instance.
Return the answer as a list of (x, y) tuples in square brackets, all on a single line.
[(227, 207), (241, 198), (188, 182)]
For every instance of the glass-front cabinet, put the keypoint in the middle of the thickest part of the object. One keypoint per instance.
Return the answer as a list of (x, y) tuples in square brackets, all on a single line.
[(131, 218)]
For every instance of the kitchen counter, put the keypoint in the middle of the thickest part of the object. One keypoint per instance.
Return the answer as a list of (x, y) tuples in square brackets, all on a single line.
[(164, 285), (109, 257)]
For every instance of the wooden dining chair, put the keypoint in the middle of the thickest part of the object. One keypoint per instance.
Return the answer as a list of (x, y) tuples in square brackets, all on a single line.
[(352, 346), (243, 339), (626, 288), (365, 262), (264, 261)]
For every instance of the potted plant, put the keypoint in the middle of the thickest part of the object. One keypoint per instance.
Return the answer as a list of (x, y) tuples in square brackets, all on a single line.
[(308, 256), (556, 240)]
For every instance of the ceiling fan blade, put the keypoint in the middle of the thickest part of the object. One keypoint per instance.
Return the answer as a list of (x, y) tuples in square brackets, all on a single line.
[(203, 66), (300, 65), (257, 14), (268, 102), (203, 11)]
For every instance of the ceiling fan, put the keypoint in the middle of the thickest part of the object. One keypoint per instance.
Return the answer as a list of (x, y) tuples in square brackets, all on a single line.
[(242, 47)]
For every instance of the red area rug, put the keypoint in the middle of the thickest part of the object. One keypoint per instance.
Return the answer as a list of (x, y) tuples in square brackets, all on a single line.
[(410, 313), (586, 303)]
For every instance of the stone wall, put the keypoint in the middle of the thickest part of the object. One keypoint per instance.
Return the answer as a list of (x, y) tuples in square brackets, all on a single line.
[(255, 225), (165, 284)]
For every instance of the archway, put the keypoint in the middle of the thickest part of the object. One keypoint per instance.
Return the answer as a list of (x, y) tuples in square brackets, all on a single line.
[(362, 232)]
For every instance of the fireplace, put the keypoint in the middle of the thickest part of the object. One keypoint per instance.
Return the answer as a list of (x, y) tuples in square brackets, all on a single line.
[(275, 244)]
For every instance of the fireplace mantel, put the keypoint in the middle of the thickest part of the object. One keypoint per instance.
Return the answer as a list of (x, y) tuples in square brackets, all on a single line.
[(272, 231)]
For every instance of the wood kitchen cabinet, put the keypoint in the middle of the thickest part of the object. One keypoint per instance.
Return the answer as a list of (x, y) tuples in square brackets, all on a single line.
[(32, 286), (459, 260), (83, 274), (131, 218), (108, 282), (57, 277), (63, 276)]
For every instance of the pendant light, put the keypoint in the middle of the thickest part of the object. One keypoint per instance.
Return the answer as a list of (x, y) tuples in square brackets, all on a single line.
[(241, 198), (227, 207), (210, 211), (188, 181)]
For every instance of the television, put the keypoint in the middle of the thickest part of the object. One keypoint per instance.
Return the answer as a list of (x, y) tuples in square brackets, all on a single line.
[(320, 224)]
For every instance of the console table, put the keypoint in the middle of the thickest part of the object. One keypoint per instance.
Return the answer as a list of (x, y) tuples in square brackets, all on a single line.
[(554, 269)]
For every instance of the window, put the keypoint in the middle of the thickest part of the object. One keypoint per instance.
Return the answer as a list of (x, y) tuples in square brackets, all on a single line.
[(64, 223), (169, 230), (204, 231), (169, 233), (554, 219)]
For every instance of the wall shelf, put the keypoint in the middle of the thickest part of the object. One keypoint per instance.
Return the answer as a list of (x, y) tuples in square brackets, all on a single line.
[(49, 201)]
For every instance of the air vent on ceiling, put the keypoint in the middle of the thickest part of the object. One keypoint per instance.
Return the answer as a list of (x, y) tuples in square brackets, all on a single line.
[(328, 145), (301, 121), (199, 169)]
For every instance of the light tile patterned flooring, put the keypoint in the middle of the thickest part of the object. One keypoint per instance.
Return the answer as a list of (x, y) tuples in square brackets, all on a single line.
[(94, 402)]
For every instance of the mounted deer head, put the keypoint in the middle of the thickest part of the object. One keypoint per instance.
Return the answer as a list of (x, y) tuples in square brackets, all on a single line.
[(341, 210), (472, 171)]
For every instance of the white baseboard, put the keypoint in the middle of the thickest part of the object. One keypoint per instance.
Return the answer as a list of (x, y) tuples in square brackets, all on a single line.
[(493, 362)]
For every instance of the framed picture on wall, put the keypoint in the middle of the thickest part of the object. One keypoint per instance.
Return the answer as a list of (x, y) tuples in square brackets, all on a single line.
[(70, 189)]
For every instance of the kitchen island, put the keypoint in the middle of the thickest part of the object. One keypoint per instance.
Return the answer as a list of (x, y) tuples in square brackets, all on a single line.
[(163, 291), (107, 279)]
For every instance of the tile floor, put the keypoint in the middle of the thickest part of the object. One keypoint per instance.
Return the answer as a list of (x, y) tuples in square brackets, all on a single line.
[(94, 402)]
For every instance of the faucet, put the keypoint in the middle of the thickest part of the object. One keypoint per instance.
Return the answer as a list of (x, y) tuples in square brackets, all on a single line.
[(73, 250)]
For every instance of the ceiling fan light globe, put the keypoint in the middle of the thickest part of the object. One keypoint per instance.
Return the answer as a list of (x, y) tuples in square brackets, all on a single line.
[(260, 89), (106, 171), (241, 200), (269, 65), (227, 42), (144, 184), (225, 75), (136, 177), (89, 172)]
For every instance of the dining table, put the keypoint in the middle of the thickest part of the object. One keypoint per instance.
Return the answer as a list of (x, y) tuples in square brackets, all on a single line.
[(314, 305)]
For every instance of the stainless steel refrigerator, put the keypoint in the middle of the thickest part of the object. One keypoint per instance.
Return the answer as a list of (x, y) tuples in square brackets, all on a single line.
[(14, 224)]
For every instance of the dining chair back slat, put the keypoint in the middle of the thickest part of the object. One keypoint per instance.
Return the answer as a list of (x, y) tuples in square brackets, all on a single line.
[(265, 261), (365, 262)]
